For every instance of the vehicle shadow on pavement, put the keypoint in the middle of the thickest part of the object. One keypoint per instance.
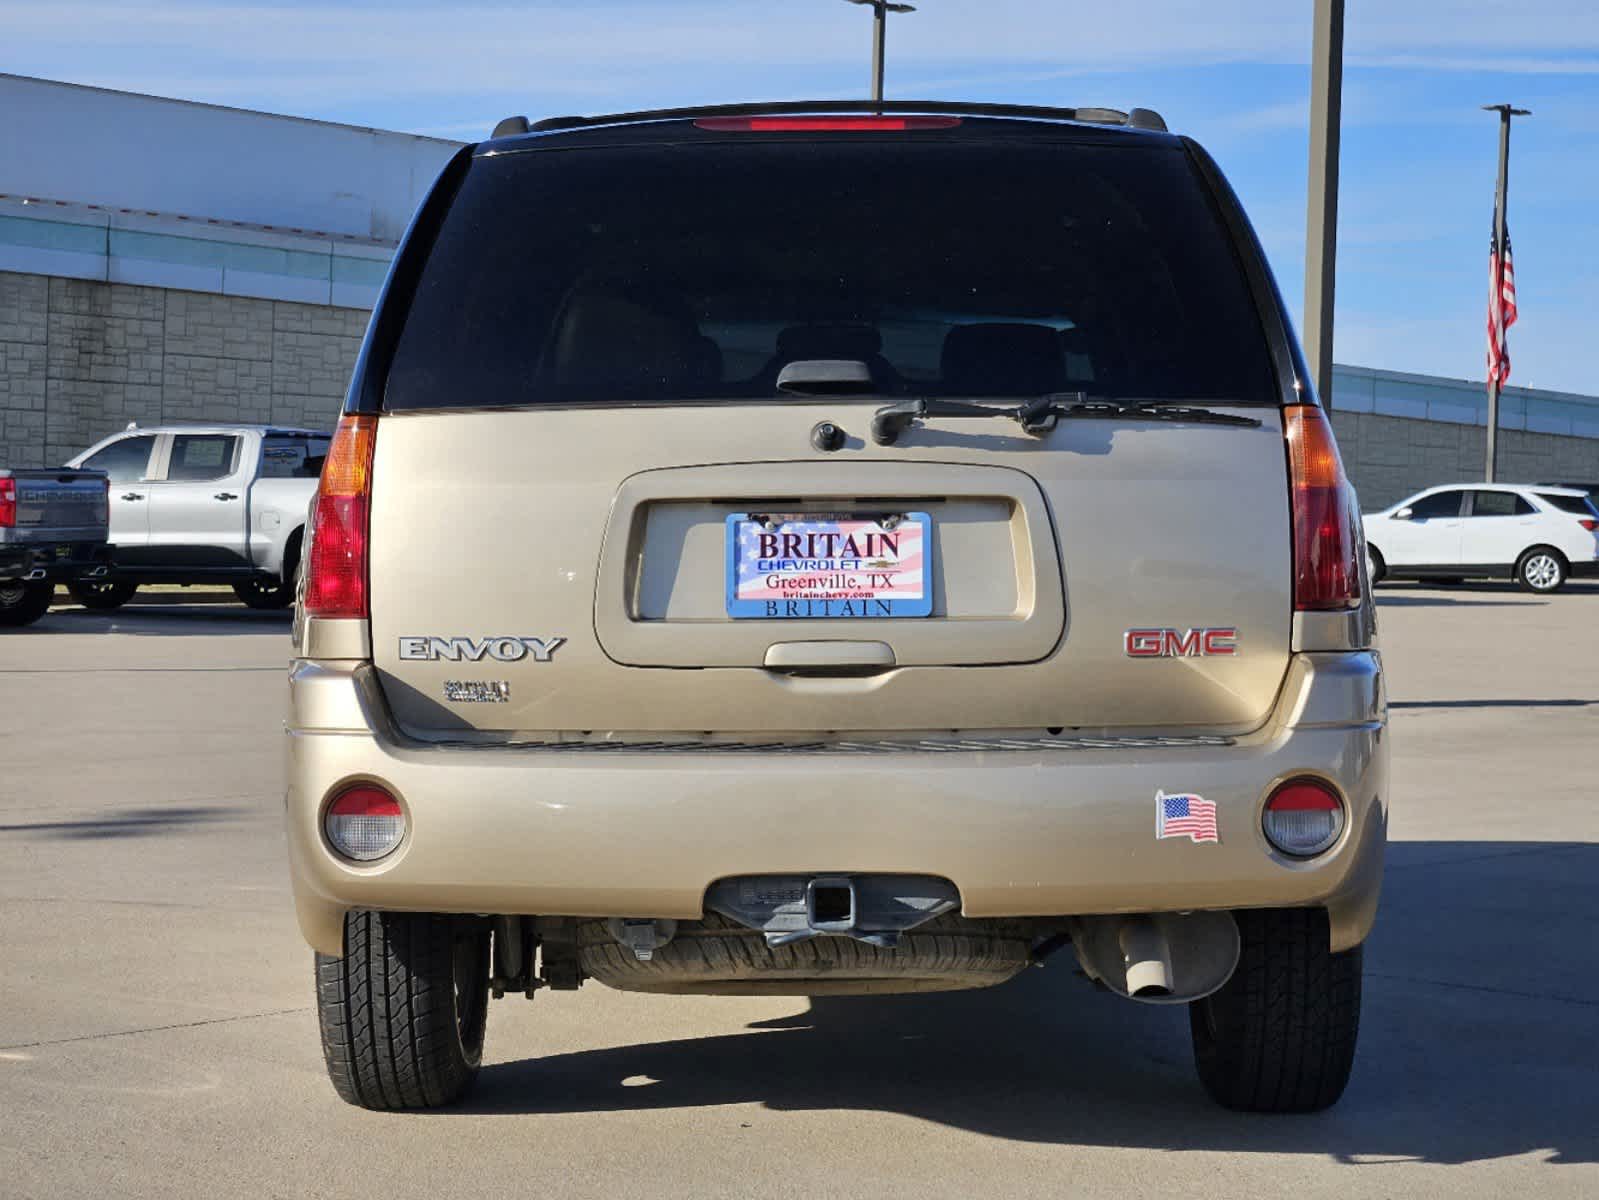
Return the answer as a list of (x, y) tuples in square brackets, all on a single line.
[(1479, 1025), (134, 822)]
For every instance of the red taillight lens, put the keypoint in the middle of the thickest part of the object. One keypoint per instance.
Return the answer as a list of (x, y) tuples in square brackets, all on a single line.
[(1589, 524), (336, 582), (364, 822), (8, 503), (1325, 519), (1303, 817), (821, 124)]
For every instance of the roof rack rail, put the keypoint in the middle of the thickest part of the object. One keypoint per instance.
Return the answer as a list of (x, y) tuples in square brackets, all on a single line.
[(1138, 118), (510, 127)]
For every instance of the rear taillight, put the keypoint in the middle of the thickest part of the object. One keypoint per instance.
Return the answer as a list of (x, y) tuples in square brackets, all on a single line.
[(1303, 817), (336, 575), (1589, 524), (8, 503), (821, 124), (364, 823), (1326, 522)]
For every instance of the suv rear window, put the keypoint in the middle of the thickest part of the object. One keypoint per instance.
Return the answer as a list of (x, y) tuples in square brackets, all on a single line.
[(697, 272), (1571, 504)]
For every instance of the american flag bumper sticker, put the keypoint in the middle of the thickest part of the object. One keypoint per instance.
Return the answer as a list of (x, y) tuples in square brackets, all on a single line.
[(1182, 814)]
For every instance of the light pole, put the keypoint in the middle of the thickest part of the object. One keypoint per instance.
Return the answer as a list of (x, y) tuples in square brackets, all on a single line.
[(1496, 299), (880, 10), (1321, 218)]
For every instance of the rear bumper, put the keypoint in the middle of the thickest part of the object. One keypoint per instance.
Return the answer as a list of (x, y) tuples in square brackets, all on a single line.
[(1020, 832), (1585, 570), (61, 561)]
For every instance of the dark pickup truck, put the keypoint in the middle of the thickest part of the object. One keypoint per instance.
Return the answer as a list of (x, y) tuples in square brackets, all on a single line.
[(52, 530)]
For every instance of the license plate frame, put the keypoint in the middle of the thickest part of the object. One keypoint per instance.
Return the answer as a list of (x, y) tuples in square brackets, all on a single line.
[(840, 585)]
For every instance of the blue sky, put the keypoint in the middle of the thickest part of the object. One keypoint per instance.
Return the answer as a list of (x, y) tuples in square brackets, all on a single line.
[(1418, 157)]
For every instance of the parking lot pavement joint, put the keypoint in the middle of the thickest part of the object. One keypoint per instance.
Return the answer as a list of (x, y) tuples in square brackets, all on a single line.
[(96, 901), (139, 670), (1478, 987), (1537, 848), (116, 1033)]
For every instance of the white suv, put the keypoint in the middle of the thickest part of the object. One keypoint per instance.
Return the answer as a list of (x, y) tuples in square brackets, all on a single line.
[(1538, 536)]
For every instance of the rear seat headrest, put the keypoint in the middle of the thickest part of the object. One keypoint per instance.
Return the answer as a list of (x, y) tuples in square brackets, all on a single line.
[(1003, 358), (800, 343)]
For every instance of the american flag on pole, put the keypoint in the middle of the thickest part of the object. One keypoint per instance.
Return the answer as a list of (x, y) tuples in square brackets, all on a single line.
[(1187, 816), (1501, 310)]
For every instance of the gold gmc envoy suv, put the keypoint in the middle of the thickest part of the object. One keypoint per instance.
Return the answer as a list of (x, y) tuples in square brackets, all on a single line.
[(835, 548)]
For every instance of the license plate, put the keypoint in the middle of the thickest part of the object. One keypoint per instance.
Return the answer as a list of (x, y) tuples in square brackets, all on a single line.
[(814, 566)]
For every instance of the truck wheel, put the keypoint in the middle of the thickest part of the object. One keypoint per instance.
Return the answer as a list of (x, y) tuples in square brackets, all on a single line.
[(1280, 1035), (102, 595), (24, 601), (402, 1013), (258, 593)]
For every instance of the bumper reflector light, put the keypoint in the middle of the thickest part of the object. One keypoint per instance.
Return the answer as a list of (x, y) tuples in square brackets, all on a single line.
[(364, 823), (1303, 817)]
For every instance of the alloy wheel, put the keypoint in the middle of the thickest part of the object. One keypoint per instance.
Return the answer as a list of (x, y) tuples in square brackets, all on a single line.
[(1541, 572)]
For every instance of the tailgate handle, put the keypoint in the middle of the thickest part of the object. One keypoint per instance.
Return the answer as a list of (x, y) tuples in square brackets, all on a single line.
[(834, 657)]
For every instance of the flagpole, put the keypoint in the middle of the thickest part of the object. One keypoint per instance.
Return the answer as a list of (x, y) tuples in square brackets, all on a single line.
[(1496, 297), (1321, 220), (880, 10)]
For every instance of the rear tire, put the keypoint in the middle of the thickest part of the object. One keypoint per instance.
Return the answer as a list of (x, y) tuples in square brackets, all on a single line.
[(402, 1013), (258, 593), (1541, 570), (24, 601), (1280, 1035), (102, 595)]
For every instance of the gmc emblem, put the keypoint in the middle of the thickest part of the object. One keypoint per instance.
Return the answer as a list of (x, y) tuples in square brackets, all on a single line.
[(1187, 643)]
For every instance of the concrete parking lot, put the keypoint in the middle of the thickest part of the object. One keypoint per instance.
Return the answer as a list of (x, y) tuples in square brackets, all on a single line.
[(157, 1036)]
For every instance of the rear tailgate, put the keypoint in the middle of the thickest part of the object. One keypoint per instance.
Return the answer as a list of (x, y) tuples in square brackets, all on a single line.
[(489, 526), (582, 404), (56, 505)]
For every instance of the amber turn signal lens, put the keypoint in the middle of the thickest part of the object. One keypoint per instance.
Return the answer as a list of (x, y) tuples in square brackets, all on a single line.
[(336, 576), (1326, 520)]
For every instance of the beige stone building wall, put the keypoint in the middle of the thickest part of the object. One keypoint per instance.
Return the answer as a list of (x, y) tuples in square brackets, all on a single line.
[(1390, 458), (79, 359)]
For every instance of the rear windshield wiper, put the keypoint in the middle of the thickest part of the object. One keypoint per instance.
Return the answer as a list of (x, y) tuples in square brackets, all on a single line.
[(1040, 414)]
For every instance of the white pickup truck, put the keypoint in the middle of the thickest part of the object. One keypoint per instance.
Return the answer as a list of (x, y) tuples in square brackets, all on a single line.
[(205, 504)]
